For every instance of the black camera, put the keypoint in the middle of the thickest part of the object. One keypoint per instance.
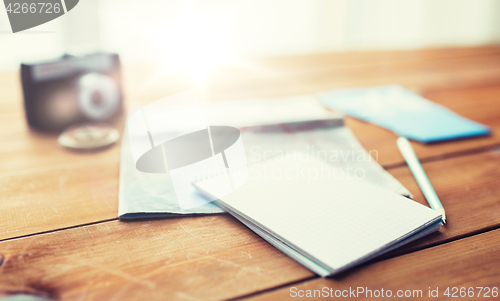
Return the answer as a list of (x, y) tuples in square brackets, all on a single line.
[(72, 90)]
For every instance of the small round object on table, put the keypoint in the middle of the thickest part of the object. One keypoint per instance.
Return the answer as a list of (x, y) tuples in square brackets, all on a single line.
[(88, 136)]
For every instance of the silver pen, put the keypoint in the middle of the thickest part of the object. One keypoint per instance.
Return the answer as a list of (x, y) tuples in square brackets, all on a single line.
[(419, 174)]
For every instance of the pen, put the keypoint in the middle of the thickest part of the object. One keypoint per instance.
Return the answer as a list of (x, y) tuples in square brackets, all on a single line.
[(419, 174)]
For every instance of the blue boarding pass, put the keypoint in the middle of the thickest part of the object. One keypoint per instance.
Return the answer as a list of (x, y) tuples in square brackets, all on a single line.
[(403, 112)]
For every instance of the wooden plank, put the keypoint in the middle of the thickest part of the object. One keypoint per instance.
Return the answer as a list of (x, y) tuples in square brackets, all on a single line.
[(203, 258), (423, 70), (470, 262), (22, 148), (56, 197), (215, 257), (44, 199)]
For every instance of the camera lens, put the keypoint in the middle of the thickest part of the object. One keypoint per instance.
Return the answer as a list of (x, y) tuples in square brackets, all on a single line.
[(99, 97)]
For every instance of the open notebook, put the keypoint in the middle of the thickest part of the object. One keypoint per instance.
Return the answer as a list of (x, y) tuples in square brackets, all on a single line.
[(326, 223)]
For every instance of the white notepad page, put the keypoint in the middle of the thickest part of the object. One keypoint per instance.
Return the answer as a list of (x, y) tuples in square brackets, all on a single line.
[(335, 221)]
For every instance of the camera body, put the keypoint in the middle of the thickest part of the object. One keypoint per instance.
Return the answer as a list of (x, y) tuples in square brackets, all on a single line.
[(72, 90)]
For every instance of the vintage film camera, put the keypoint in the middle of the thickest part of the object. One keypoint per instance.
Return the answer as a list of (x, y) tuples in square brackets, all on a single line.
[(72, 90)]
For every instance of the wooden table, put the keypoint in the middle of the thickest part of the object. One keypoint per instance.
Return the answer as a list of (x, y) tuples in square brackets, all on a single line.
[(60, 236)]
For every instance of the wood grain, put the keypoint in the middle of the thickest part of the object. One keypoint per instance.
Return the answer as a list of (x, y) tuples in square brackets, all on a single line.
[(204, 258), (215, 257), (56, 197), (470, 262)]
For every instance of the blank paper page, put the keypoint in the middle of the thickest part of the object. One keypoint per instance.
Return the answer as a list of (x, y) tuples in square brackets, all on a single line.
[(331, 219)]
